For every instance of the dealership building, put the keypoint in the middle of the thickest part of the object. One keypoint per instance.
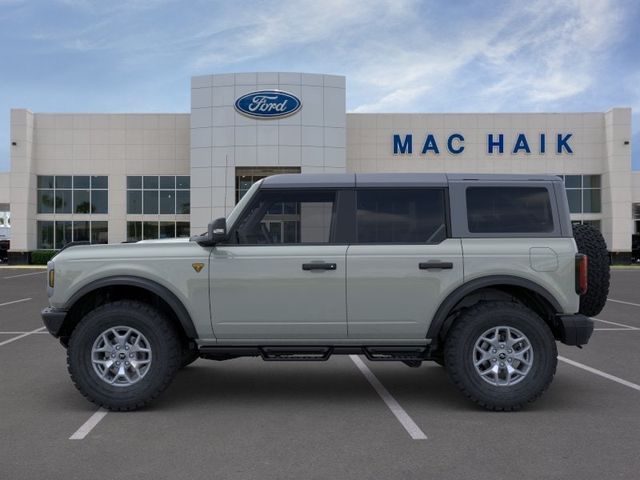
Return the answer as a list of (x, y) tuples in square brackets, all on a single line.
[(104, 177)]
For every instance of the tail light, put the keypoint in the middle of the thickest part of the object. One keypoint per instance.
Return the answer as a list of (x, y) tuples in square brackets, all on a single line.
[(582, 268)]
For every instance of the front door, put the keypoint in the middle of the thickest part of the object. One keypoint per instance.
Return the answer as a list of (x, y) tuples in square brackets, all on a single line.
[(282, 275), (401, 264)]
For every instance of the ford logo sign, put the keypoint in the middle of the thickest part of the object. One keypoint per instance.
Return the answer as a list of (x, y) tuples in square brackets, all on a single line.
[(268, 104)]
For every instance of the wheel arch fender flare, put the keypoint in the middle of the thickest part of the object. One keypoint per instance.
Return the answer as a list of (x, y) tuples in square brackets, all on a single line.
[(472, 286), (170, 298)]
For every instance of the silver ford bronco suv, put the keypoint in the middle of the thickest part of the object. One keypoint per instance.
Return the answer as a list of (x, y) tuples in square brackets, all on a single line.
[(481, 274)]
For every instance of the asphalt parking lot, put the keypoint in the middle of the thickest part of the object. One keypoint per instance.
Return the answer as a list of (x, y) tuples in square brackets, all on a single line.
[(246, 418)]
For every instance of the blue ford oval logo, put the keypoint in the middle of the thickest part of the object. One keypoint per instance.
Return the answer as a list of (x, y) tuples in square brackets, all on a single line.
[(268, 104)]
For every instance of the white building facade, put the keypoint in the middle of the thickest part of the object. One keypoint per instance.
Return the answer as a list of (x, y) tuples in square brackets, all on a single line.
[(124, 177)]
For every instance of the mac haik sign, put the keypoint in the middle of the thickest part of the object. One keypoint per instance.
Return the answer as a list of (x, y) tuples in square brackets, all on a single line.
[(558, 143)]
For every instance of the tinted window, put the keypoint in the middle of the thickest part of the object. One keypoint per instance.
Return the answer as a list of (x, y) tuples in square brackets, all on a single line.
[(278, 217), (401, 216), (509, 210)]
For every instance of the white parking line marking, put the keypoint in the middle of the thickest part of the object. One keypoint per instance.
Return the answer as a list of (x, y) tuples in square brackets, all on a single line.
[(626, 327), (403, 417), (87, 426), (25, 274), (626, 303), (21, 336), (20, 333), (15, 301), (608, 376)]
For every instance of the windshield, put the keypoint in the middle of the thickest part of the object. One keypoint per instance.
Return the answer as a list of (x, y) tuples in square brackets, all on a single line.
[(233, 216)]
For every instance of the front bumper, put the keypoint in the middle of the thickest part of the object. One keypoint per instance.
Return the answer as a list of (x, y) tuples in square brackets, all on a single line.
[(53, 319), (575, 329)]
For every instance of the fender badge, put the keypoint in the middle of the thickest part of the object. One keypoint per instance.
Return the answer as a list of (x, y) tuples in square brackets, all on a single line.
[(197, 267)]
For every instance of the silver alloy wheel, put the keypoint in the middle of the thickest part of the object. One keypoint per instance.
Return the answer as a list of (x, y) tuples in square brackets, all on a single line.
[(502, 356), (121, 356)]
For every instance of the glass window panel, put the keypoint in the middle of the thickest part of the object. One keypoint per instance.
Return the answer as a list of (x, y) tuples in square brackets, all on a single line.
[(150, 204), (45, 181), (63, 201), (63, 181), (183, 181), (45, 234), (150, 183), (100, 182), (81, 182), (509, 210), (134, 201), (167, 201), (575, 201), (168, 182), (99, 232), (81, 202), (45, 201), (573, 181), (167, 229), (134, 182), (81, 231), (150, 230), (183, 201), (99, 201), (591, 201), (401, 216), (313, 222), (64, 233), (182, 229), (591, 181), (134, 231)]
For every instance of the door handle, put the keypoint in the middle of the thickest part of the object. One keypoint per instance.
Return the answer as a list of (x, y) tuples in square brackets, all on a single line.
[(319, 266), (435, 265)]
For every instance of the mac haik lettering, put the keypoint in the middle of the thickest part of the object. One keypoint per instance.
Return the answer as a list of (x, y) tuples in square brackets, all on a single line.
[(268, 104), (496, 143)]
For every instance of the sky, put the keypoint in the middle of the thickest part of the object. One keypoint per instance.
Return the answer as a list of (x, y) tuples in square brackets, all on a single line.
[(397, 55)]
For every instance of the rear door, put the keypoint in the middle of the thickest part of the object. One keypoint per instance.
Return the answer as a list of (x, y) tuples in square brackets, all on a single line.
[(402, 262)]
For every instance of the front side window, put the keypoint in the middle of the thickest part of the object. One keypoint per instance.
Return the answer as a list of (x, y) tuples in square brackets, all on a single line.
[(288, 217), (509, 210), (401, 216)]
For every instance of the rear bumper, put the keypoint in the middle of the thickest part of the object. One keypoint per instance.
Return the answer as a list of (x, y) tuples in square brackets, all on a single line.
[(53, 319), (575, 329)]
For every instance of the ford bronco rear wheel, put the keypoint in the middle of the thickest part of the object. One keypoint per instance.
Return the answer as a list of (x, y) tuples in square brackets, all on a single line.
[(501, 355), (123, 354)]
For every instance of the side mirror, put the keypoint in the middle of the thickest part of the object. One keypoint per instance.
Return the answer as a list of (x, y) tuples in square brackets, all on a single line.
[(217, 230), (216, 233)]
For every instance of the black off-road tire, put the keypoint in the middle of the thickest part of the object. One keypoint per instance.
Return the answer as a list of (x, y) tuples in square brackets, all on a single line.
[(460, 344), (162, 337), (591, 242)]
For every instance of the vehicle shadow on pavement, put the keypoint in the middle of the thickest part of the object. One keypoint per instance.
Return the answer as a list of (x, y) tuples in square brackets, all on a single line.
[(270, 383)]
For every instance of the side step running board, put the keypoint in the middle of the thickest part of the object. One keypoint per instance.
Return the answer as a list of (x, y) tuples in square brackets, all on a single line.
[(286, 354), (394, 354)]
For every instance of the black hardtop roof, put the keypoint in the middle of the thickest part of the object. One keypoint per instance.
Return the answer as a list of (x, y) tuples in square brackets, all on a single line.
[(346, 180)]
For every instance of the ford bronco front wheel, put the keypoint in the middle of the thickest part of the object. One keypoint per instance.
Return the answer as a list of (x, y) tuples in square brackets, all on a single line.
[(501, 355), (123, 354)]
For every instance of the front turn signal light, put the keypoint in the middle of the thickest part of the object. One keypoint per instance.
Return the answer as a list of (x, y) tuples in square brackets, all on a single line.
[(52, 277)]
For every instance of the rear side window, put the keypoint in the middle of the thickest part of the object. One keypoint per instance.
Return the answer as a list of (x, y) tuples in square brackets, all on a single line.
[(401, 216), (509, 210)]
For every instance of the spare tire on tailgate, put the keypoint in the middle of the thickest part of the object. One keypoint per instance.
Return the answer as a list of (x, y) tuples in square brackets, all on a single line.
[(591, 242)]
